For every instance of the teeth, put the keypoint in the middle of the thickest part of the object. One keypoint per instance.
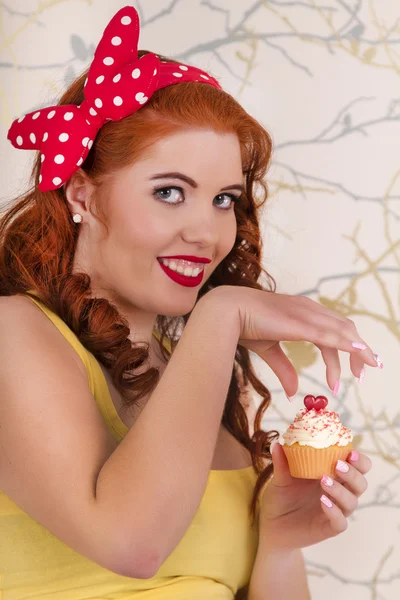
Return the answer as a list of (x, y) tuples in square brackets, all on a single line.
[(181, 267)]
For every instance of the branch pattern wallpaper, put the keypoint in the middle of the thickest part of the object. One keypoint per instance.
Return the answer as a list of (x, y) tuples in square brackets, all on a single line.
[(323, 77)]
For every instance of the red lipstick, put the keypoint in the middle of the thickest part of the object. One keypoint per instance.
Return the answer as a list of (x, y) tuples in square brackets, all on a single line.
[(182, 279)]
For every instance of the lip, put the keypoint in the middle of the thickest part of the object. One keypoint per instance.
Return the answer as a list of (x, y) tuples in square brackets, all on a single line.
[(197, 259), (182, 279)]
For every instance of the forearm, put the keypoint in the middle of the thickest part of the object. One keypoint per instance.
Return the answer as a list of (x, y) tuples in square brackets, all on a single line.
[(154, 480), (278, 574)]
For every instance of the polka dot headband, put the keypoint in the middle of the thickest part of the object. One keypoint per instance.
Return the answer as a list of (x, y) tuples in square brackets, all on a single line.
[(118, 84)]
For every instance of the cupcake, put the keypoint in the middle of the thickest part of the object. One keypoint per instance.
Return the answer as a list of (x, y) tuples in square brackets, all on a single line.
[(316, 440)]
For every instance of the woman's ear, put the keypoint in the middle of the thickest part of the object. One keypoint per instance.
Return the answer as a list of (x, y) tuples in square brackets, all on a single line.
[(78, 191)]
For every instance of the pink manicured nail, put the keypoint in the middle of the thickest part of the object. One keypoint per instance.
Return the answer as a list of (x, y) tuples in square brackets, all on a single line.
[(325, 500), (362, 374), (354, 455), (327, 480), (336, 388), (378, 361), (359, 346), (342, 466)]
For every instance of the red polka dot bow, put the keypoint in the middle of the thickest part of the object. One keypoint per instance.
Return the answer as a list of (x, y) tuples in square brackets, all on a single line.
[(118, 84)]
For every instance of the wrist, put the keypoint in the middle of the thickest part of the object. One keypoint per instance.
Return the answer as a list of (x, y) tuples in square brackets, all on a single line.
[(217, 307), (268, 548)]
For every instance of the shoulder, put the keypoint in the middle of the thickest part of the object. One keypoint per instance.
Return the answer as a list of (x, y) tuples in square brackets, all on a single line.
[(23, 322)]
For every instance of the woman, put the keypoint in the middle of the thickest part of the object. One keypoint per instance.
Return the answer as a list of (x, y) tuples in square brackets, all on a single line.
[(131, 267)]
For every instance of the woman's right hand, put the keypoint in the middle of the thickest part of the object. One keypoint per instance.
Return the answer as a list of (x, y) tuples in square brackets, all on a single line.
[(267, 318)]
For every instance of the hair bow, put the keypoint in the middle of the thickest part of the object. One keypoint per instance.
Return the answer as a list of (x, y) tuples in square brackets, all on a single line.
[(117, 85)]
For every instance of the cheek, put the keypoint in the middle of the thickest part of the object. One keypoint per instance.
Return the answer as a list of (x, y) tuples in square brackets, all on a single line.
[(144, 232)]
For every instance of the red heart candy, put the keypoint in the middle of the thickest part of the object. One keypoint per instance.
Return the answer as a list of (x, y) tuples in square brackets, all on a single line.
[(320, 402), (309, 401)]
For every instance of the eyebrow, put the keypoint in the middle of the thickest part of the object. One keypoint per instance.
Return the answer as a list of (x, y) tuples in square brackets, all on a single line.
[(191, 182)]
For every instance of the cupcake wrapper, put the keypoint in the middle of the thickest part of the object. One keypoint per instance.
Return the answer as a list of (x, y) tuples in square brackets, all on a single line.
[(306, 462)]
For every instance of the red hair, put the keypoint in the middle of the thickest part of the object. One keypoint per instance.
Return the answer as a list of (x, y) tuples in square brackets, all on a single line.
[(38, 241)]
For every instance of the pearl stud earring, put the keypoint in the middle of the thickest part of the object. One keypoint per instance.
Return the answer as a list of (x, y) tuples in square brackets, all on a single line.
[(77, 218)]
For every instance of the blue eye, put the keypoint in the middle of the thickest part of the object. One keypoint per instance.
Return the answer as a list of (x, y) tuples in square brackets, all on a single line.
[(233, 199), (167, 196)]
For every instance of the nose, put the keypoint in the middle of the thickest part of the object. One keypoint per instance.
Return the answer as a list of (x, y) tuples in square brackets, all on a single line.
[(203, 227)]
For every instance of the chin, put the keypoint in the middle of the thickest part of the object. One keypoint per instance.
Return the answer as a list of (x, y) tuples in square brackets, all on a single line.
[(178, 310)]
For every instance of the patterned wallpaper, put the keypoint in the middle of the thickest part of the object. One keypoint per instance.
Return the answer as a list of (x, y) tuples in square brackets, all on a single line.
[(323, 76)]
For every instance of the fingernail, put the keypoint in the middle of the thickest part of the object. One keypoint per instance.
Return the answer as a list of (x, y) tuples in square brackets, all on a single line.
[(378, 361), (290, 398), (336, 388), (362, 373), (327, 480), (325, 500), (359, 346), (354, 455), (342, 466)]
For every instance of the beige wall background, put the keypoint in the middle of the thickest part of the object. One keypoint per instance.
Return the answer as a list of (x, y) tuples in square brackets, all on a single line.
[(323, 76)]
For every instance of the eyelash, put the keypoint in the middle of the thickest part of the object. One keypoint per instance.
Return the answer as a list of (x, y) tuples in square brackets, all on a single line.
[(234, 198)]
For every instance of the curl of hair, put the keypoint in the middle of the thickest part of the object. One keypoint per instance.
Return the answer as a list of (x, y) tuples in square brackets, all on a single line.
[(38, 240)]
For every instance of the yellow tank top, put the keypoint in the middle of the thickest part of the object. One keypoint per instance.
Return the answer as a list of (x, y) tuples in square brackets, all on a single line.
[(213, 559)]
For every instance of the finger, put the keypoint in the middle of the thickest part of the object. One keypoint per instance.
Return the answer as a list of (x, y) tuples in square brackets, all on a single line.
[(277, 360), (353, 479), (332, 362), (316, 307), (321, 308), (345, 499), (330, 332), (282, 476), (357, 366), (360, 461), (337, 522)]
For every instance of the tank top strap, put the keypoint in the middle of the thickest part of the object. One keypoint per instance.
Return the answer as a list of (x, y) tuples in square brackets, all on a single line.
[(96, 378)]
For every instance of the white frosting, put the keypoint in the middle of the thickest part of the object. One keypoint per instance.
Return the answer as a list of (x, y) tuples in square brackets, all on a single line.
[(317, 428)]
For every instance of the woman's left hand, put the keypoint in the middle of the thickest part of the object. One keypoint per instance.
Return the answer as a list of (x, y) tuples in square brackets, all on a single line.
[(292, 513)]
